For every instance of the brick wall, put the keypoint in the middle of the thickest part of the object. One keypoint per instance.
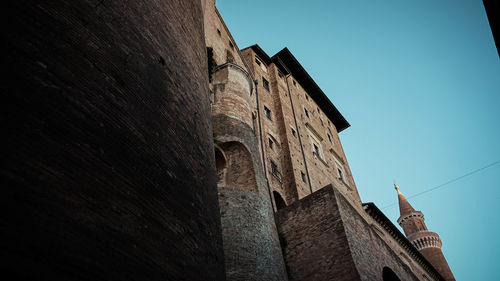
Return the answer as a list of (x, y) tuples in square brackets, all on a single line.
[(314, 239), (325, 238), (108, 162)]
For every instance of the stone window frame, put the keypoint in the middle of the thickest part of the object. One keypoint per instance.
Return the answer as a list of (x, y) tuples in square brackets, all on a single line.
[(342, 174), (260, 63), (315, 139)]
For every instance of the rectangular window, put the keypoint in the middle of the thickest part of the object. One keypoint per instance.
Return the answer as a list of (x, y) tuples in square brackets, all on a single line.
[(340, 172), (267, 112), (307, 97), (294, 84), (271, 144), (275, 171), (329, 138), (265, 83), (231, 45), (317, 108), (315, 149), (303, 176), (294, 133), (306, 113), (257, 61)]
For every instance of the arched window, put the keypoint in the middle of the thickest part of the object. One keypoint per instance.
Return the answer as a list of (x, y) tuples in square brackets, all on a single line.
[(238, 171), (389, 275), (280, 203)]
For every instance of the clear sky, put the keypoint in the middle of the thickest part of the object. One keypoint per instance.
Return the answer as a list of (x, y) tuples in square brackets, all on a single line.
[(419, 82)]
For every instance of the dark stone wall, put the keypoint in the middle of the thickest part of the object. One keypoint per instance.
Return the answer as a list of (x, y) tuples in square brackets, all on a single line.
[(251, 244), (108, 168)]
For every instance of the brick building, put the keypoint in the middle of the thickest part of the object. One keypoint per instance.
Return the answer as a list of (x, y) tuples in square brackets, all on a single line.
[(283, 122), (126, 161)]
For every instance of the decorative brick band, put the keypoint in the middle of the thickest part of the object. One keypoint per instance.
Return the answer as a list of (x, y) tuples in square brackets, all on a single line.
[(431, 240), (417, 214)]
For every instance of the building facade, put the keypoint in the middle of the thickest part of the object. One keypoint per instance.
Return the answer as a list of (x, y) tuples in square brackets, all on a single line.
[(291, 157), (142, 143)]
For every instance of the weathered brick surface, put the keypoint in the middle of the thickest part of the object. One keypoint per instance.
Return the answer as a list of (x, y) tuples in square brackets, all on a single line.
[(314, 239), (370, 253), (285, 98), (436, 258), (107, 160), (325, 238), (251, 246)]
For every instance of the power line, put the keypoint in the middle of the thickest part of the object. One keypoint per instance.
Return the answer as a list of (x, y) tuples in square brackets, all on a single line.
[(446, 183)]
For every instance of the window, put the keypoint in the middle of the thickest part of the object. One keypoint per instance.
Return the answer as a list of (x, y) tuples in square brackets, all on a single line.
[(322, 124), (265, 83), (271, 143), (294, 133), (218, 32), (315, 149), (317, 108), (231, 45), (306, 112), (294, 84), (260, 64), (303, 176), (340, 174), (329, 123), (275, 171), (307, 97), (329, 138), (340, 171), (267, 112), (280, 75)]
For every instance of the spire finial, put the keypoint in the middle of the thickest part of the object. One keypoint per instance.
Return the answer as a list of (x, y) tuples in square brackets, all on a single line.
[(396, 186)]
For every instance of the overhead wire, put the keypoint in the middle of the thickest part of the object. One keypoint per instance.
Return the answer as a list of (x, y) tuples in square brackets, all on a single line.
[(446, 183)]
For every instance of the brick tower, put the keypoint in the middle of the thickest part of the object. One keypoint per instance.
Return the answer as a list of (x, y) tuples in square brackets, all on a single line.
[(427, 243)]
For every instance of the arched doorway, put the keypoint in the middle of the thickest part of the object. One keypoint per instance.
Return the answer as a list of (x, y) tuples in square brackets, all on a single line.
[(280, 203), (235, 167), (389, 275)]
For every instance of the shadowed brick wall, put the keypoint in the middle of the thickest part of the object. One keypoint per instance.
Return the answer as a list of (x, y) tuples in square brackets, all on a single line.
[(325, 238), (108, 169)]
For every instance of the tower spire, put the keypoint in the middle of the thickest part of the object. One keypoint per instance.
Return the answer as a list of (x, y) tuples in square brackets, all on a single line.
[(428, 243), (405, 207)]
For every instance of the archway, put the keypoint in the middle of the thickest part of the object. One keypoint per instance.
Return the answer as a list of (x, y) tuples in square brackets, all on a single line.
[(280, 203), (389, 275), (239, 171)]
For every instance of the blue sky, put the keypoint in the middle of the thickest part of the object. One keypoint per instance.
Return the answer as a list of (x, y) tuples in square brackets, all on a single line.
[(419, 82)]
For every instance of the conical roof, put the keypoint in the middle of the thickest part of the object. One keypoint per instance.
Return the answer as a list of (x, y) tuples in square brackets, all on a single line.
[(404, 206)]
